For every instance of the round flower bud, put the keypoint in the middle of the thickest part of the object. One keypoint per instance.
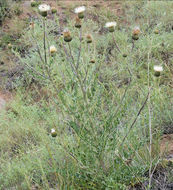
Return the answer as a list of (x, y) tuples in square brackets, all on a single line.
[(67, 36), (111, 26), (135, 33), (135, 37), (9, 46), (53, 133), (52, 49), (53, 10), (158, 69), (43, 9), (92, 61), (89, 39), (78, 23), (80, 11), (33, 3), (81, 15), (156, 31), (124, 55)]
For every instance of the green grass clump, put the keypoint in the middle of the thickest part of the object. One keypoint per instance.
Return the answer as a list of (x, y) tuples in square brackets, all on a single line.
[(3, 10)]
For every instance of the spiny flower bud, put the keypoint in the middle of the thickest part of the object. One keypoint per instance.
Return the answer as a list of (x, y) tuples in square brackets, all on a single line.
[(43, 9), (53, 10), (52, 49), (111, 26), (53, 133), (135, 33), (33, 3), (80, 11), (89, 38), (92, 61), (78, 22), (9, 46), (158, 69), (67, 35), (156, 31)]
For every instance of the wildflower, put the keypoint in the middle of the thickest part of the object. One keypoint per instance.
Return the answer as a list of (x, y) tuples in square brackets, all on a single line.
[(43, 9), (9, 46), (53, 10), (89, 39), (111, 26), (67, 35), (78, 22), (156, 31), (135, 33), (53, 133), (31, 25), (158, 69), (80, 11), (33, 3), (52, 49)]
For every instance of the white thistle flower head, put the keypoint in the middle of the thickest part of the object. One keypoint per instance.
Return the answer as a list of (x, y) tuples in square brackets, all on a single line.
[(111, 26), (43, 9), (135, 33), (53, 133), (158, 69), (136, 30), (52, 130), (80, 11), (67, 35), (52, 49)]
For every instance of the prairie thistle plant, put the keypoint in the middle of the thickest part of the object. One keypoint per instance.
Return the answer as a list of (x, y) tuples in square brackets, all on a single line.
[(88, 120)]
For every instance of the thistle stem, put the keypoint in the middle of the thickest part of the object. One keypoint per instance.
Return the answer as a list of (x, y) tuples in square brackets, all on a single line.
[(45, 57), (80, 37), (116, 43)]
